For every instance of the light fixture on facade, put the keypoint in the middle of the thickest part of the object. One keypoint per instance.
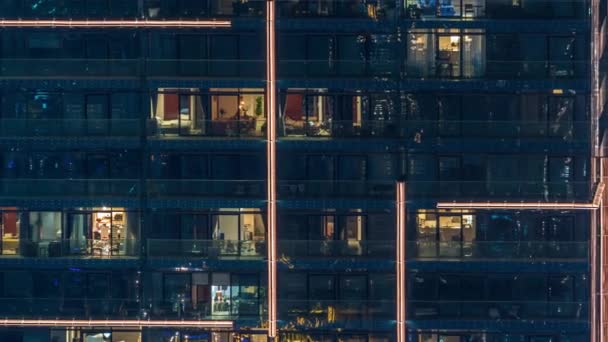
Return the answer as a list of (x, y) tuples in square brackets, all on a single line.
[(117, 23)]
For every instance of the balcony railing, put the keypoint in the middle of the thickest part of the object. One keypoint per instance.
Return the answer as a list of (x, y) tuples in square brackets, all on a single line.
[(336, 9), (501, 190), (498, 250), (109, 308), (63, 307), (420, 250), (497, 310), (352, 313), (565, 191), (336, 189), (336, 249), (234, 307), (245, 127), (16, 128), (250, 127), (421, 131), (211, 249), (82, 67), (84, 248), (186, 188), (479, 67), (440, 190), (67, 188)]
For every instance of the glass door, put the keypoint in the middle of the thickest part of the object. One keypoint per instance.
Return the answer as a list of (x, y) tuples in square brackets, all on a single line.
[(98, 172), (426, 239), (97, 114), (450, 235), (447, 60), (97, 53), (322, 235), (194, 234), (101, 242), (352, 234), (448, 108), (77, 234), (225, 228)]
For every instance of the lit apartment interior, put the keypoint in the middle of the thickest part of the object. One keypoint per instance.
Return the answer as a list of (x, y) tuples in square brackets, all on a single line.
[(446, 53), (313, 112), (95, 232), (226, 112)]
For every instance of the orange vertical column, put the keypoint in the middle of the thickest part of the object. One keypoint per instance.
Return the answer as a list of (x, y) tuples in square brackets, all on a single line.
[(271, 180), (401, 218)]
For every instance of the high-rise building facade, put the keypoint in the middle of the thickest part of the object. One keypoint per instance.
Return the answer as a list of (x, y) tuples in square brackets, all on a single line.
[(302, 170)]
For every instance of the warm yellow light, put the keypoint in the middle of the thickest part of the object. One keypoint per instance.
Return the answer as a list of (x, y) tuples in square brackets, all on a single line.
[(271, 167), (595, 204), (114, 323), (401, 218)]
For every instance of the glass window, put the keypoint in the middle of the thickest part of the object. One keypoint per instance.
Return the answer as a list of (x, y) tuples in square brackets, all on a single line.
[(47, 284), (449, 287), (245, 294), (320, 167), (194, 166), (422, 287), (176, 287), (530, 287), (560, 115), (499, 288), (381, 286), (353, 288), (561, 56), (561, 288), (223, 55), (221, 295), (17, 284), (320, 54), (352, 55), (321, 287), (292, 286)]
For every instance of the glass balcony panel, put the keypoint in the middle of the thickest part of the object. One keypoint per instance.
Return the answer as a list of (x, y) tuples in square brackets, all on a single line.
[(498, 250), (336, 248), (205, 188), (497, 310), (68, 188), (163, 248), (328, 313)]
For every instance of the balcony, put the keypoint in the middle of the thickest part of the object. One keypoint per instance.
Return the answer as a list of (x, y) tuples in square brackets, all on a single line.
[(68, 188), (497, 310), (346, 314), (69, 308), (209, 249), (185, 188), (337, 249), (132, 68), (351, 9), (68, 128), (479, 191), (430, 131), (498, 250), (443, 66), (71, 249), (295, 189), (246, 127), (242, 307)]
